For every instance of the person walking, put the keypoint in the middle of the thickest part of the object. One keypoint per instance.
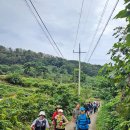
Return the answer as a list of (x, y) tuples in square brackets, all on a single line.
[(94, 107), (54, 115), (83, 120), (60, 120), (75, 114), (41, 123)]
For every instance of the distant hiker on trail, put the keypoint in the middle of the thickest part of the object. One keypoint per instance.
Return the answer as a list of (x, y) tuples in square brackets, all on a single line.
[(60, 120), (41, 123), (83, 120), (94, 107), (54, 115), (91, 108), (88, 108), (75, 114)]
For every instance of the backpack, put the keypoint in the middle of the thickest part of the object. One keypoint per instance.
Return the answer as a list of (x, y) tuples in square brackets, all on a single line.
[(83, 122), (40, 125), (58, 121)]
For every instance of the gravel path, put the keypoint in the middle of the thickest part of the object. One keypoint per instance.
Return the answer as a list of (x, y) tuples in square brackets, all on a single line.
[(93, 122)]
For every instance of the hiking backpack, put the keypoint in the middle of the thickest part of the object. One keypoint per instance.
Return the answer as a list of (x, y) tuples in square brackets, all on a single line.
[(83, 122)]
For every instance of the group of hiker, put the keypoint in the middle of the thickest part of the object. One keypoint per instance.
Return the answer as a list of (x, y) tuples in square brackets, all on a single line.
[(80, 117), (92, 107)]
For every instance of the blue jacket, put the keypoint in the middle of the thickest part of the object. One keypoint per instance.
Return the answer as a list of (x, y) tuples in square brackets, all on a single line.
[(83, 122)]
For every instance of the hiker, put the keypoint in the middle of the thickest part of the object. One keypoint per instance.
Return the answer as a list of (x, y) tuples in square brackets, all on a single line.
[(83, 120), (54, 115), (60, 120), (75, 114), (86, 107), (94, 107), (91, 108), (41, 123)]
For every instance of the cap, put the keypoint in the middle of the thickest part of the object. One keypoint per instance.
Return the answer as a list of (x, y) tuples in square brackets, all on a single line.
[(82, 109), (58, 106), (42, 113), (60, 110)]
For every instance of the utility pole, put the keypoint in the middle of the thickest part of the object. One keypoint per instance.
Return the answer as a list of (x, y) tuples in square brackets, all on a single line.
[(61, 79), (79, 52)]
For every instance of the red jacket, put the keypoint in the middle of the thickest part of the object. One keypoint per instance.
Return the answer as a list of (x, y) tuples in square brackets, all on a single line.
[(54, 114)]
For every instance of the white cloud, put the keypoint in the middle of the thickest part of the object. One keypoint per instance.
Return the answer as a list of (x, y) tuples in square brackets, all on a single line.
[(18, 27)]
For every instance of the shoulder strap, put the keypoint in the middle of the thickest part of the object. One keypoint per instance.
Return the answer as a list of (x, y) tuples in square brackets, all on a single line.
[(44, 121), (78, 117), (36, 122)]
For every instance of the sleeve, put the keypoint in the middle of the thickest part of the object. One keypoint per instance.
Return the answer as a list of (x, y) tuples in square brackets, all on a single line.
[(78, 120), (47, 124), (66, 121), (53, 116), (73, 113), (33, 124)]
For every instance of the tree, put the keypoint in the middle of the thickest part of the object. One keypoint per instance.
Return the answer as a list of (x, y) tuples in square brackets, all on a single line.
[(120, 53)]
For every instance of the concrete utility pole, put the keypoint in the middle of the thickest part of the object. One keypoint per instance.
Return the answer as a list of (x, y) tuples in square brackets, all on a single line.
[(79, 67)]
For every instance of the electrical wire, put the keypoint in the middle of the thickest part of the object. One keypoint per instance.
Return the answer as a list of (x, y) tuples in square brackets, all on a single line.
[(97, 28), (103, 29), (40, 26), (46, 28), (81, 10)]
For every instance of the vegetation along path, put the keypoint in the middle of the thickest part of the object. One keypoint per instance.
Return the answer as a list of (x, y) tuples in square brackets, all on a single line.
[(93, 117)]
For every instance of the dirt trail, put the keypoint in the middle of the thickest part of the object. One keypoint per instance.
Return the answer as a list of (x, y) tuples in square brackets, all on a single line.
[(92, 126)]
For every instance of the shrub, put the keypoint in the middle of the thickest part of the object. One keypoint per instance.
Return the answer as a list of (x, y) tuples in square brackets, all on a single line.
[(14, 79)]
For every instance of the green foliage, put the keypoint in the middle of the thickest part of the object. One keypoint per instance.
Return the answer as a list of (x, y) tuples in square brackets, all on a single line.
[(101, 86), (14, 79), (115, 114), (39, 64), (20, 106)]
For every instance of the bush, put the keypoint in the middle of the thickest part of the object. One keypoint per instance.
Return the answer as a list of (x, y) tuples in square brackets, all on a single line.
[(14, 79)]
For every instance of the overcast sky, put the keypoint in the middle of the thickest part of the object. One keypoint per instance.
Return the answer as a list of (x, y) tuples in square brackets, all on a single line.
[(19, 29)]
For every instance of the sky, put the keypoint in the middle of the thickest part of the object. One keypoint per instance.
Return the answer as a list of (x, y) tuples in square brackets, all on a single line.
[(19, 29)]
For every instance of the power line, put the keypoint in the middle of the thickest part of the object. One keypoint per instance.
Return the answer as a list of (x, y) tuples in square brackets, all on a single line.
[(81, 10), (41, 26), (88, 14), (99, 23), (46, 28), (103, 30)]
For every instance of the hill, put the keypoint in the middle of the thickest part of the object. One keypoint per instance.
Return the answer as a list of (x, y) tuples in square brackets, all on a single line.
[(40, 61)]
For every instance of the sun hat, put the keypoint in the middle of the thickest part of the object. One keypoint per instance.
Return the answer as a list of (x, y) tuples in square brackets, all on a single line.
[(42, 113), (82, 109), (60, 110)]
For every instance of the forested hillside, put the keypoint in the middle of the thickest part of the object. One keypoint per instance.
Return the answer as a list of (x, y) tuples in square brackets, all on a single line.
[(36, 62), (30, 82)]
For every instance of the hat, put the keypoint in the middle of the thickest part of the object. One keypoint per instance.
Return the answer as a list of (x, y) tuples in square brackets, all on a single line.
[(82, 109), (58, 106), (42, 113), (60, 110)]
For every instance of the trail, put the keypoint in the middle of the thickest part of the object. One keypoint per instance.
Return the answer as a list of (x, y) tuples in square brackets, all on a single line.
[(92, 126)]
